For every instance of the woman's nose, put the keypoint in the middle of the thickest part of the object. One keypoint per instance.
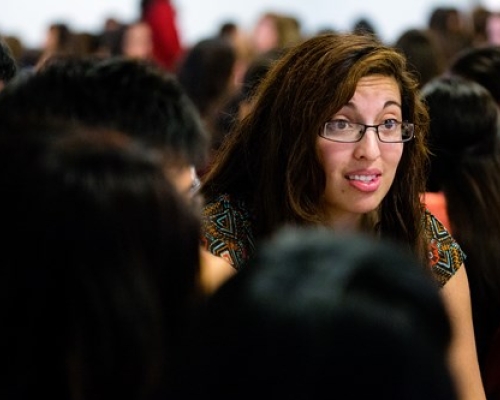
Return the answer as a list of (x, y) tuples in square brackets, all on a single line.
[(369, 145)]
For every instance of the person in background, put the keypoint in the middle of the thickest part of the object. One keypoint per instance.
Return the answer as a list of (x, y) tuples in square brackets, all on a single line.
[(447, 25), (240, 104), (137, 41), (464, 182), (241, 42), (423, 54), (254, 75), (275, 31), (363, 26), (110, 37), (160, 15), (478, 18), (206, 73), (152, 105), (100, 269), (8, 64), (336, 138), (59, 40), (317, 309), (493, 29), (135, 97), (480, 64)]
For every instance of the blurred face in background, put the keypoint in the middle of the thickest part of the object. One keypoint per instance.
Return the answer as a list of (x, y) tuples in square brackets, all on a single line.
[(137, 41), (493, 29), (265, 34)]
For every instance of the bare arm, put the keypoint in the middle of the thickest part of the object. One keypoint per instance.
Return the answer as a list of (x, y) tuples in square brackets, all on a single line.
[(463, 357)]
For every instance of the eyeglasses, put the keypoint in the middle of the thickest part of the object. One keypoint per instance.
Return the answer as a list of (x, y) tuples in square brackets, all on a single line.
[(391, 131), (195, 183)]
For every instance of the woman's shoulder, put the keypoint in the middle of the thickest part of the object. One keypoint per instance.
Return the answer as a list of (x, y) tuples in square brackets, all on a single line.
[(436, 204), (229, 208), (445, 254), (227, 229)]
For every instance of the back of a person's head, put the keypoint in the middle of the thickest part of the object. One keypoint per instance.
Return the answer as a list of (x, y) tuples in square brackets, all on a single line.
[(140, 99), (55, 92), (134, 97), (464, 126), (422, 52), (206, 72), (100, 266), (480, 64), (315, 311)]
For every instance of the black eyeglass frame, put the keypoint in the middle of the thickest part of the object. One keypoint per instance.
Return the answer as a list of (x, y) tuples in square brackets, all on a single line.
[(405, 125)]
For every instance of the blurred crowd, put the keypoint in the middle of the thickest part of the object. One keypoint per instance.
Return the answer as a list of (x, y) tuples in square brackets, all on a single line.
[(142, 176), (232, 51)]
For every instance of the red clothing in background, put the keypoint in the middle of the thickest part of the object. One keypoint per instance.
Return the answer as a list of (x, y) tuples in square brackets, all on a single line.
[(167, 48)]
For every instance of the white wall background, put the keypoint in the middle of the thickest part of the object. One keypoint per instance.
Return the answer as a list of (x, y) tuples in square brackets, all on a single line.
[(28, 19)]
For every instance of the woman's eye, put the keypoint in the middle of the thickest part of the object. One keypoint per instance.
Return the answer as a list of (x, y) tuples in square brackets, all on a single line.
[(390, 123), (341, 124)]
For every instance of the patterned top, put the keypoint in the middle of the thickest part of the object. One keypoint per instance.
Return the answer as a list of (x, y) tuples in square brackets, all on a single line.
[(227, 233)]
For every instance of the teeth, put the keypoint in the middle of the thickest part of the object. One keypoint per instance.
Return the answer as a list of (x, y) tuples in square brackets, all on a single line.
[(364, 178)]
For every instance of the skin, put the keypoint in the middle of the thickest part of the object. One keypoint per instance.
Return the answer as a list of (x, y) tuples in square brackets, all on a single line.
[(138, 42), (347, 197), (359, 175), (265, 35)]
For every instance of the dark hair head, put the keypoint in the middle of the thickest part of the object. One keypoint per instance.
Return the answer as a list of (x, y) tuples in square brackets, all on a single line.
[(55, 92), (480, 64), (100, 265), (440, 18), (272, 157), (227, 29), (464, 116), (63, 35), (465, 122), (206, 70), (148, 103), (206, 74), (364, 26), (422, 52), (315, 309), (134, 97)]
